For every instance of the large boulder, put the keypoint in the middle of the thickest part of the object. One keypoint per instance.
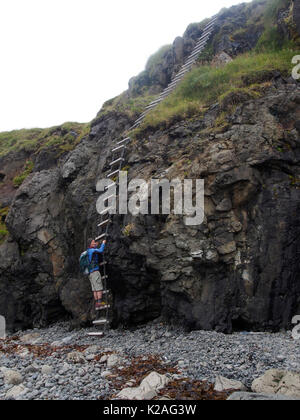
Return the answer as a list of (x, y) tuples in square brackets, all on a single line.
[(147, 390), (278, 382)]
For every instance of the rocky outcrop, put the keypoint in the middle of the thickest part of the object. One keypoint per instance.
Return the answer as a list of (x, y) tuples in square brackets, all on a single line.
[(236, 270), (49, 221)]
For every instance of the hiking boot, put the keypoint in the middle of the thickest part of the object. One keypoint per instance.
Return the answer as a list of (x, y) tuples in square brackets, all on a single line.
[(101, 306)]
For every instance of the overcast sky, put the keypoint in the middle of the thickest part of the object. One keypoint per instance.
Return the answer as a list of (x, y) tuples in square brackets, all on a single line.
[(61, 59)]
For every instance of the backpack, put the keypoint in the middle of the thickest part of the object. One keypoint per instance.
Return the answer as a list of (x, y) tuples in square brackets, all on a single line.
[(84, 263)]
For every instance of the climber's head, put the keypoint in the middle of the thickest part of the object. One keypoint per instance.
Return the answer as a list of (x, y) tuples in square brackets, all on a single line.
[(92, 243)]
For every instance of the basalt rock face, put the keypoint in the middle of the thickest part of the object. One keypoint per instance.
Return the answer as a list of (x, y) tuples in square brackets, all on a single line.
[(48, 223), (237, 270)]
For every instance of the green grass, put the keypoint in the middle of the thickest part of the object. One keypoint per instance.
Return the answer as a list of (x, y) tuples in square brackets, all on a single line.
[(206, 85), (19, 179), (63, 138), (272, 9), (130, 106), (271, 39), (3, 229)]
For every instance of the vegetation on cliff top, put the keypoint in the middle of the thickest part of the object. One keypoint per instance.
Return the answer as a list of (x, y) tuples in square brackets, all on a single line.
[(61, 138), (206, 85), (3, 228), (203, 86)]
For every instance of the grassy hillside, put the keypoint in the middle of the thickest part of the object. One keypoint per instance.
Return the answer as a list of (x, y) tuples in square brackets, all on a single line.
[(63, 138), (206, 85), (245, 77), (3, 228)]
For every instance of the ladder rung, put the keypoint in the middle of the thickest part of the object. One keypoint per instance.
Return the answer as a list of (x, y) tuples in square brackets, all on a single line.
[(113, 173), (168, 89), (118, 148), (199, 45), (109, 186), (106, 211), (101, 236), (102, 308), (153, 103), (134, 125), (211, 23), (204, 37), (104, 222), (101, 322), (116, 161), (124, 140), (103, 263), (189, 63), (95, 334), (197, 50)]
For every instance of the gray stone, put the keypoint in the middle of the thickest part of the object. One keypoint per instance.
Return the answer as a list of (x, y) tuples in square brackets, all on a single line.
[(147, 390), (113, 360), (76, 357), (47, 370), (248, 396), (224, 384), (12, 377), (33, 338), (16, 391)]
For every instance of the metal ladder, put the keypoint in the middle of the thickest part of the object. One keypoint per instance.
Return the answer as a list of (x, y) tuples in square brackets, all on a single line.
[(118, 154)]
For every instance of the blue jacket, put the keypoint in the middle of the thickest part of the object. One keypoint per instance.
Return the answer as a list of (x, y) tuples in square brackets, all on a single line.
[(93, 254)]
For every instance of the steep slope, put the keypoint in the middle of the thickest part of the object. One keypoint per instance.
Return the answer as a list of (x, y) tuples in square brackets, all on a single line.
[(233, 121)]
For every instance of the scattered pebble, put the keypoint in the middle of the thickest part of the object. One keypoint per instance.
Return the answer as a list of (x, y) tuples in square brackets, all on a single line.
[(68, 366)]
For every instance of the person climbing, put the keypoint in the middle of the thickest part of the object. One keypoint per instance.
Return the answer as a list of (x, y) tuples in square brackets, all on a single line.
[(94, 271)]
